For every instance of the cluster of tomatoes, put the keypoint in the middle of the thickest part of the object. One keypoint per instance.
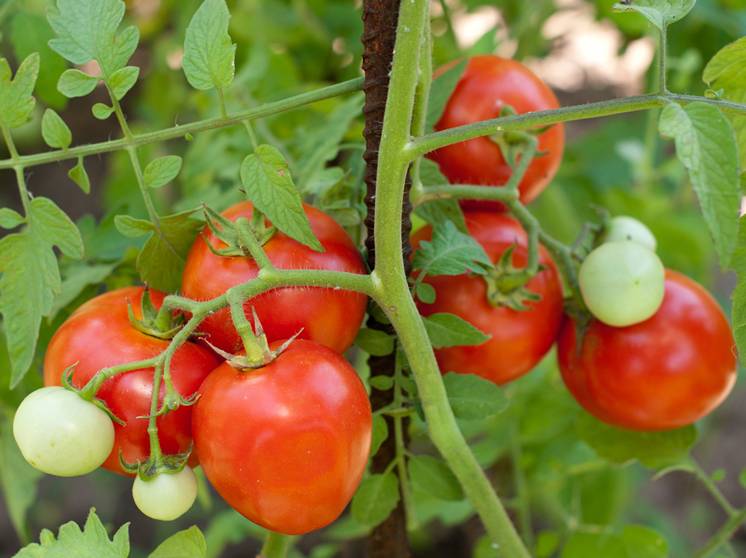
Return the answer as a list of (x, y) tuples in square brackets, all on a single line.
[(656, 351), (286, 444)]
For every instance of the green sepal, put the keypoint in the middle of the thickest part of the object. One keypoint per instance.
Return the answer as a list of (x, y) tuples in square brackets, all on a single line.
[(67, 383), (513, 143), (171, 402), (512, 297), (148, 470), (227, 232), (152, 322)]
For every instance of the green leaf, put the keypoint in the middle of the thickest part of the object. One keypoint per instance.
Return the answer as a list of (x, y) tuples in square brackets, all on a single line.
[(738, 316), (54, 130), (102, 111), (18, 479), (595, 545), (31, 33), (447, 330), (78, 278), (131, 227), (450, 252), (161, 260), (643, 542), (438, 212), (16, 102), (162, 171), (440, 91), (184, 544), (425, 292), (74, 83), (268, 185), (80, 176), (91, 542), (706, 146), (87, 30), (725, 71), (433, 476), (209, 54), (10, 219), (122, 81), (375, 499), (381, 383), (30, 277), (546, 543), (229, 527), (656, 450), (485, 548), (374, 342), (659, 12), (380, 433), (742, 479), (472, 397)]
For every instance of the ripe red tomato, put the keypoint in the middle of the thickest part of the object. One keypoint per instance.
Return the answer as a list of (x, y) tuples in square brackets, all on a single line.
[(663, 373), (488, 84), (287, 444), (520, 339), (98, 335), (327, 316)]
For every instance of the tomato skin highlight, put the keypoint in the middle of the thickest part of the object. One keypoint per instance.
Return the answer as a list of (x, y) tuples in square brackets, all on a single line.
[(666, 372), (285, 445), (327, 316), (98, 335), (487, 85), (519, 339)]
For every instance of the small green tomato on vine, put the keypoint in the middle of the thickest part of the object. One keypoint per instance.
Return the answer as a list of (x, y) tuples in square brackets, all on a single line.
[(166, 496), (623, 227)]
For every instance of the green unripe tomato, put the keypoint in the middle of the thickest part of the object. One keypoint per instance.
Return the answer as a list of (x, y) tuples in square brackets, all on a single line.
[(629, 228), (622, 283), (166, 496), (62, 434)]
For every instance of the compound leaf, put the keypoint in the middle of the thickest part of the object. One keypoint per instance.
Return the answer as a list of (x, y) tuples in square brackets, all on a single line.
[(269, 186), (660, 13), (30, 277), (54, 130), (16, 102), (184, 544), (706, 146), (87, 30), (209, 54)]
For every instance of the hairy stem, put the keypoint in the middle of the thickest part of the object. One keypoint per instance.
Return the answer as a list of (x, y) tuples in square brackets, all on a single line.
[(713, 489), (722, 535)]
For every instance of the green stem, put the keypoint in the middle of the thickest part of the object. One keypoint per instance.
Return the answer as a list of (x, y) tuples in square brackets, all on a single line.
[(419, 146), (401, 453), (722, 535), (451, 31), (563, 255), (156, 455), (254, 351), (275, 545), (193, 128), (532, 228), (662, 61), (392, 292), (223, 113), (521, 486), (120, 114), (465, 191), (247, 238), (132, 150), (254, 143), (88, 392), (712, 488)]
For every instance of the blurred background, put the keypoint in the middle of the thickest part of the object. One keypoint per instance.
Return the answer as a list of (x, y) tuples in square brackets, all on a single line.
[(286, 47)]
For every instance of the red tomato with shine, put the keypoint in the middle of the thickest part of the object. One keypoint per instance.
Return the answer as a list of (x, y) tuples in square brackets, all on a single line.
[(487, 85), (285, 445), (520, 339), (328, 316), (98, 335), (663, 373)]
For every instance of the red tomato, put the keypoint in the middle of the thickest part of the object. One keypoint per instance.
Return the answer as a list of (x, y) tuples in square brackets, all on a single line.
[(287, 444), (488, 84), (327, 316), (663, 373), (98, 335), (520, 339)]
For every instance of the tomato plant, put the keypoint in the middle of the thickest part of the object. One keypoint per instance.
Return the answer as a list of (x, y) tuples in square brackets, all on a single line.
[(166, 496), (520, 338), (488, 84), (622, 283), (329, 317), (99, 335), (61, 434), (286, 444), (663, 373)]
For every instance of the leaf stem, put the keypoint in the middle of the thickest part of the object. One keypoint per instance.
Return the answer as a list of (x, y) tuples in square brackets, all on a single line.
[(156, 454), (401, 454), (275, 545), (254, 144), (223, 112), (192, 128), (523, 504), (662, 60), (722, 535), (712, 488)]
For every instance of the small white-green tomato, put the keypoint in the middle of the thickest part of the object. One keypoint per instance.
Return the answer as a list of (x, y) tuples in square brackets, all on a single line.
[(62, 434), (622, 283), (629, 228), (166, 496)]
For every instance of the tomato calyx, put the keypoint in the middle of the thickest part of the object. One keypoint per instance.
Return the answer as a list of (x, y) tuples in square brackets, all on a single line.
[(87, 394), (162, 325), (153, 466), (506, 284), (514, 144), (231, 233), (582, 318)]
